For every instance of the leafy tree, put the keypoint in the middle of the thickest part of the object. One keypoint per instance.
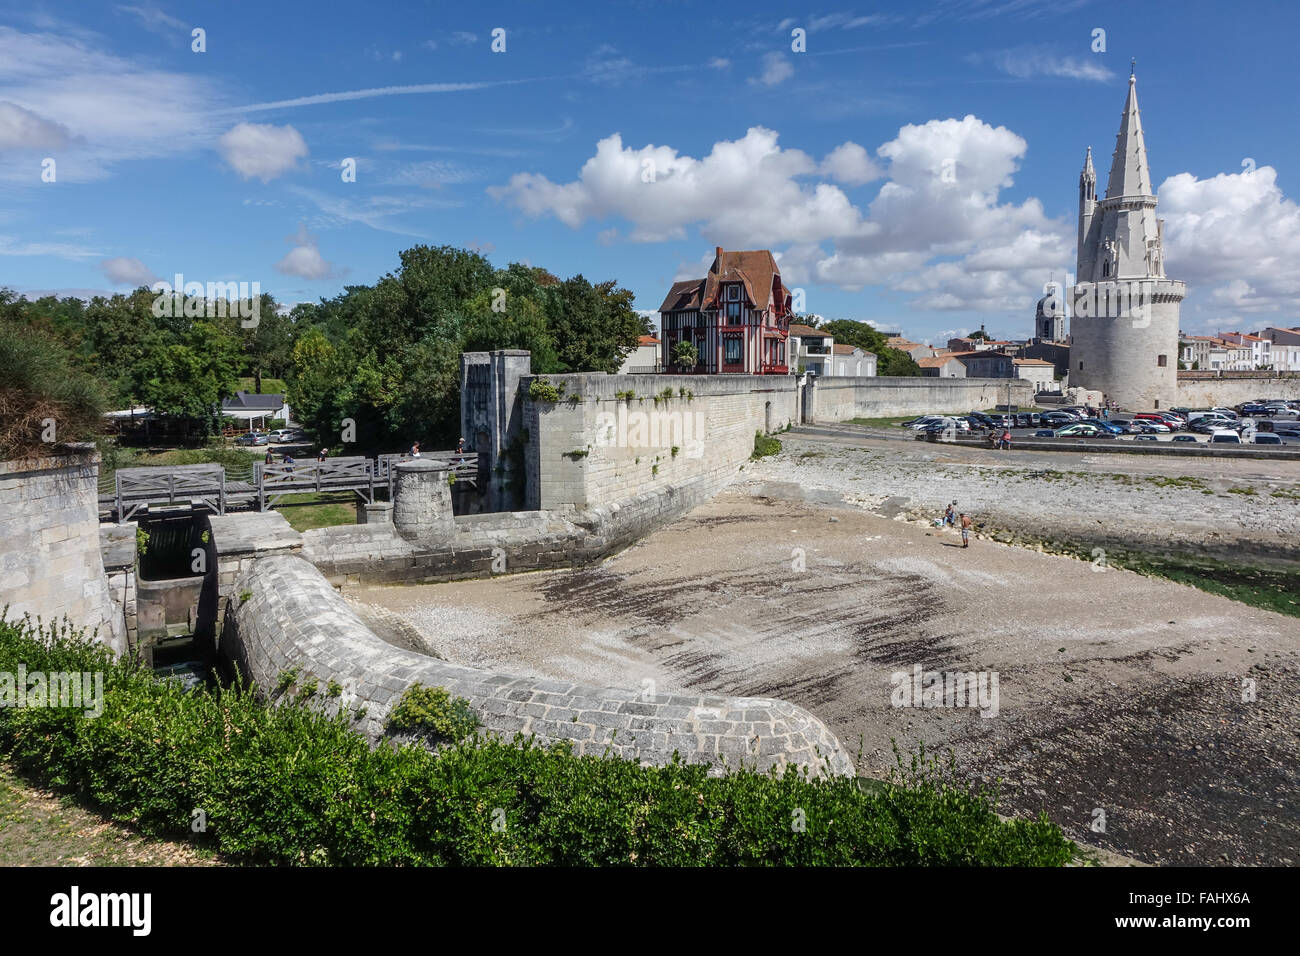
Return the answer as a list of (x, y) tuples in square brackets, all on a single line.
[(190, 378)]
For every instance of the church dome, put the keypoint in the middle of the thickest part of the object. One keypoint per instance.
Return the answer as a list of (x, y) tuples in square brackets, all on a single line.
[(1050, 306)]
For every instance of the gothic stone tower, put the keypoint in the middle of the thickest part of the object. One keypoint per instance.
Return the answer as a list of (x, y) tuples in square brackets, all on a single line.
[(1124, 310)]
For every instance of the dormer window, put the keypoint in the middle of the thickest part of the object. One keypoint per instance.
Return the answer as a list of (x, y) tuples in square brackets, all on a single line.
[(733, 293)]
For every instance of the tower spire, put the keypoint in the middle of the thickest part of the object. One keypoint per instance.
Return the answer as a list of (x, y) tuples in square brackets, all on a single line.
[(1129, 173)]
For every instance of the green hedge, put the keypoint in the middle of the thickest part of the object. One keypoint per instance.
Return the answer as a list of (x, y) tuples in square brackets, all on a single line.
[(287, 785)]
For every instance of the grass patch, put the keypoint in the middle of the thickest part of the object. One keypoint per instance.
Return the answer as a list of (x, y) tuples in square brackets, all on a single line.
[(40, 828), (270, 386), (1241, 491), (1272, 589), (309, 510), (289, 785), (765, 445)]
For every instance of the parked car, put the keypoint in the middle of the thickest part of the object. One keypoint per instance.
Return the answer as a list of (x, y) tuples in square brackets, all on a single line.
[(1044, 433), (1191, 438), (1287, 432), (286, 434), (1056, 419), (1151, 425), (1226, 412), (980, 420), (1267, 439), (1225, 436), (253, 438), (925, 421), (1146, 438), (1079, 430)]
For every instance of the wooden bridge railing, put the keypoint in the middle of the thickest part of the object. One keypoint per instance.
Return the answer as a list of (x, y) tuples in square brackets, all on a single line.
[(136, 488)]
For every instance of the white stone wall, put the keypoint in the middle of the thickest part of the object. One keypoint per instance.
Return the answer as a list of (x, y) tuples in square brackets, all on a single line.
[(50, 562), (839, 399), (606, 448), (1208, 392)]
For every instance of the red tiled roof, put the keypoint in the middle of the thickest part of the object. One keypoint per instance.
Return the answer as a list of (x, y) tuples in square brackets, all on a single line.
[(756, 269), (647, 340), (804, 330)]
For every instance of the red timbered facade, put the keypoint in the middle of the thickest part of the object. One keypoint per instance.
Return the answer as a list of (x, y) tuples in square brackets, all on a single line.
[(737, 317)]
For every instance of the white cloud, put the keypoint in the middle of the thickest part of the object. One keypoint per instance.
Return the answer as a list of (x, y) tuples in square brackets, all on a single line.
[(262, 151), (936, 229), (849, 164), (122, 270), (720, 63), (304, 260), (23, 129), (1235, 231), (117, 109), (1026, 62), (777, 68), (10, 246)]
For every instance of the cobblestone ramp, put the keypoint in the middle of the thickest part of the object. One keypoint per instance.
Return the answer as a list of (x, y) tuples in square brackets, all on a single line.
[(288, 616)]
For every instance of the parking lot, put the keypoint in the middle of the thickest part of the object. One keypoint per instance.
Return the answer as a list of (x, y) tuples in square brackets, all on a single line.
[(1273, 423)]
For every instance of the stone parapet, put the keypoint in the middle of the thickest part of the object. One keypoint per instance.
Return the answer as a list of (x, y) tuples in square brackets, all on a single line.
[(289, 616)]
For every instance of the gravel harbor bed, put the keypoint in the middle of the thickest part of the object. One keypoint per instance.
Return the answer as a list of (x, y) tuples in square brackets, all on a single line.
[(816, 578)]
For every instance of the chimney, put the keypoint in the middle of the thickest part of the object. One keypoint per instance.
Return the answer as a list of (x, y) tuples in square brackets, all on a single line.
[(717, 251)]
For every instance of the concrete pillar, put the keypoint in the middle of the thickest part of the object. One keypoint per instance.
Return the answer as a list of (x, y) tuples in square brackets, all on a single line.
[(422, 501), (378, 512)]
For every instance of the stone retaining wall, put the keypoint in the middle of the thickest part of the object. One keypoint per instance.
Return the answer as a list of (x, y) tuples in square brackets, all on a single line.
[(840, 399), (286, 615), (50, 562)]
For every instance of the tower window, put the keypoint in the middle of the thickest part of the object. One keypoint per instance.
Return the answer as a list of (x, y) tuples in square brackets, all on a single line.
[(1080, 366), (1162, 361)]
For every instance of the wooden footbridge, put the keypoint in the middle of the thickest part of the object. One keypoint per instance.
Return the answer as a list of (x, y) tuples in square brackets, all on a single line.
[(207, 487)]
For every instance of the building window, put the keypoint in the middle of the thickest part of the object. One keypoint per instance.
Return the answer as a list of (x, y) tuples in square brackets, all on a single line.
[(1162, 361), (1080, 366), (733, 311), (732, 347), (733, 293)]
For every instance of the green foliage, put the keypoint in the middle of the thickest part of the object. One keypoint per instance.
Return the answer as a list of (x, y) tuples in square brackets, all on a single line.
[(289, 785), (141, 541), (676, 449), (244, 596), (39, 384), (577, 454), (685, 355), (286, 679), (654, 469), (433, 712), (543, 390), (765, 445), (625, 396), (333, 688)]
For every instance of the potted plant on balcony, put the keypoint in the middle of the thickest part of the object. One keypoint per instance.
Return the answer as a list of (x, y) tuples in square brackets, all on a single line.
[(685, 356)]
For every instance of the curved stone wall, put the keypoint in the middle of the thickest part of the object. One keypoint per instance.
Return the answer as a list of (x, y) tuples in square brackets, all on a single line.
[(284, 614)]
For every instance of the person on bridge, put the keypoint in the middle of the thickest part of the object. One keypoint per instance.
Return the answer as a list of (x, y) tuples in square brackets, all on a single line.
[(270, 459), (460, 450), (288, 461), (415, 449), (324, 453)]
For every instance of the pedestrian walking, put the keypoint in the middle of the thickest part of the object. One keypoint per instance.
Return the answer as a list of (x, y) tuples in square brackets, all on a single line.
[(966, 524), (288, 462)]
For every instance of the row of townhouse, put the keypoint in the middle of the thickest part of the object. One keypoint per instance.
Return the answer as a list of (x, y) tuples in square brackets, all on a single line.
[(1274, 348), (990, 363)]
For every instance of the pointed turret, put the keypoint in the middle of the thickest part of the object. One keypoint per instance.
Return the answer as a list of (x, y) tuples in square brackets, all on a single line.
[(1087, 206), (1129, 173)]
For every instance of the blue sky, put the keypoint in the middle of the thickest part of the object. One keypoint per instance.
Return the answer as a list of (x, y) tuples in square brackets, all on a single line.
[(915, 166)]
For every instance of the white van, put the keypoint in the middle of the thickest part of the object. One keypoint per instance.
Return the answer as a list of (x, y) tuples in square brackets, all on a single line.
[(1224, 436)]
